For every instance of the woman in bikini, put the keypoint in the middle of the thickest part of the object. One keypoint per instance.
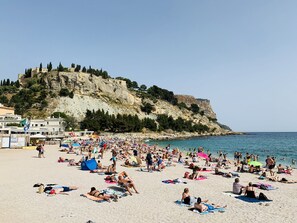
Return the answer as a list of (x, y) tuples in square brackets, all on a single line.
[(250, 191), (96, 195)]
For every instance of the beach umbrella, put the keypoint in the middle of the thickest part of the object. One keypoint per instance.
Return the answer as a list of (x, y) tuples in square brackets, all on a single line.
[(255, 163), (203, 155)]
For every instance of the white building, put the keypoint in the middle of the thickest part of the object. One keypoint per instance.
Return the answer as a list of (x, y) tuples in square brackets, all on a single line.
[(10, 129)]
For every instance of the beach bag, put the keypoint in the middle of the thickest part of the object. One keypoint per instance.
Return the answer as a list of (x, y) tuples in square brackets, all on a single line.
[(186, 175), (262, 197)]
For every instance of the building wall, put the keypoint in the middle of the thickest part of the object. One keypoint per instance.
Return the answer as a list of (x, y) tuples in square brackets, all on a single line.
[(5, 110)]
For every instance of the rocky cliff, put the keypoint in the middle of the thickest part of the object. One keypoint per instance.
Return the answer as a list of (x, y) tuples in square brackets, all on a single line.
[(112, 95), (203, 104)]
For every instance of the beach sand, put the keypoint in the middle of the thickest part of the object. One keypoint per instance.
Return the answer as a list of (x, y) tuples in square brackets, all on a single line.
[(19, 202)]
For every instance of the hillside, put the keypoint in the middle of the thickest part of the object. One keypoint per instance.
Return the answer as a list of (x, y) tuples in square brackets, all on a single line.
[(41, 93)]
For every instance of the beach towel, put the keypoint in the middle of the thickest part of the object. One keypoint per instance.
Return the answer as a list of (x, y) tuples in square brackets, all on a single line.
[(102, 201), (110, 182), (109, 191), (264, 186), (251, 200), (213, 210), (201, 178), (180, 203), (112, 191), (175, 181)]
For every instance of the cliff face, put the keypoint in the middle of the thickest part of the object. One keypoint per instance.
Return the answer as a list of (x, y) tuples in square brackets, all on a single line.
[(203, 104), (112, 95)]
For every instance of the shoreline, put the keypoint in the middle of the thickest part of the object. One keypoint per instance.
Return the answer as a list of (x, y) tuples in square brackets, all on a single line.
[(165, 135)]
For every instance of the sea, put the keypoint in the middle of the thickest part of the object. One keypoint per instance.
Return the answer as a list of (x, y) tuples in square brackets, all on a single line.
[(282, 145)]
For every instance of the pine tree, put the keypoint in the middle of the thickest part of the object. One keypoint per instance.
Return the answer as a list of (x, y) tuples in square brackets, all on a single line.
[(49, 66), (17, 84), (84, 70), (60, 67), (77, 69), (40, 67), (72, 65), (1, 84)]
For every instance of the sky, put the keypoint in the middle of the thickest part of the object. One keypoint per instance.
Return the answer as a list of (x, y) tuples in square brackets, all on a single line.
[(241, 55)]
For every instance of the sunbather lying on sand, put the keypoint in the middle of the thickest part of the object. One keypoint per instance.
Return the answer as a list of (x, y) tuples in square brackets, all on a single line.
[(53, 190), (96, 195), (283, 180), (203, 207), (109, 170)]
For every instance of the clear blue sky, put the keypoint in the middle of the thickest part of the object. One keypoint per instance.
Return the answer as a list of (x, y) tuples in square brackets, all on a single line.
[(241, 55)]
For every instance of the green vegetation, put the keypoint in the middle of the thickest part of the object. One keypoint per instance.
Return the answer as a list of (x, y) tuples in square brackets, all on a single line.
[(69, 121), (130, 84), (64, 92), (195, 108), (103, 121), (163, 94), (167, 122), (147, 108)]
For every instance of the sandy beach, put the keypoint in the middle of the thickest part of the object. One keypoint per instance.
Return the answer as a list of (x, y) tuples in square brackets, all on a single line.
[(19, 202)]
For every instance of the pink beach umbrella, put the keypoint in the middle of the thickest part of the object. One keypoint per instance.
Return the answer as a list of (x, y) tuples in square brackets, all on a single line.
[(203, 155)]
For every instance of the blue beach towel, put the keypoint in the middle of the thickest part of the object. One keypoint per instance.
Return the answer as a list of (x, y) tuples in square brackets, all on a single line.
[(251, 200), (211, 207), (180, 203)]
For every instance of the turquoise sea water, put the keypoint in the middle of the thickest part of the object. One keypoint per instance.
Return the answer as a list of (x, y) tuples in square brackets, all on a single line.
[(282, 145)]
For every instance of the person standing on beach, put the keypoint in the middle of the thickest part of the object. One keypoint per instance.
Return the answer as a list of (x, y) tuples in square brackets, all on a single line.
[(149, 160), (38, 148), (270, 163), (41, 152)]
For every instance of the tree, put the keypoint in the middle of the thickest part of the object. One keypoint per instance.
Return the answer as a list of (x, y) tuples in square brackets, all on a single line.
[(49, 66), (1, 84), (142, 87), (134, 84), (90, 70), (195, 108), (72, 65), (64, 92), (147, 108), (60, 67), (84, 70), (71, 94), (69, 121), (40, 67), (17, 84), (28, 72), (7, 82), (4, 99), (77, 68)]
